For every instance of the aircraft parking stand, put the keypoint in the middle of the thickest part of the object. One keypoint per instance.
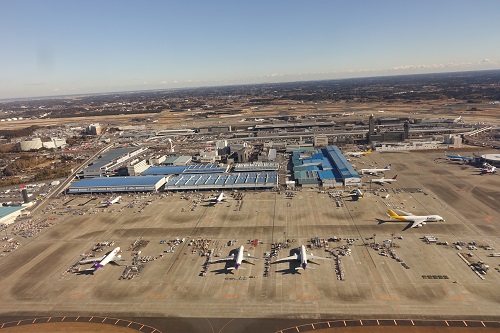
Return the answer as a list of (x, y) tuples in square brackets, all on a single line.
[(34, 281)]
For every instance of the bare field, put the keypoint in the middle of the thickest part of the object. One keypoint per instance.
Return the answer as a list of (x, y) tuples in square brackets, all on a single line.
[(34, 278), (424, 109)]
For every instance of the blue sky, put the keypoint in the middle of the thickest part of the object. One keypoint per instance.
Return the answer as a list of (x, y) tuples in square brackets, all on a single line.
[(66, 47)]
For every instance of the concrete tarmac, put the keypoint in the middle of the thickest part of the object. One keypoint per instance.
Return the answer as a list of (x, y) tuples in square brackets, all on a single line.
[(35, 282)]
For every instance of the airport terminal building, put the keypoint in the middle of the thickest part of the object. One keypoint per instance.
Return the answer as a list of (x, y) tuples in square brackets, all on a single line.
[(118, 184), (325, 167)]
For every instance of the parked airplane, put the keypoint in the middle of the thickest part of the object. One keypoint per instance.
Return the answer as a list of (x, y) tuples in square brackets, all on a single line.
[(215, 200), (375, 171), (458, 158), (358, 153), (417, 221), (302, 257), (102, 261), (115, 200), (238, 259), (356, 194), (488, 168), (383, 180)]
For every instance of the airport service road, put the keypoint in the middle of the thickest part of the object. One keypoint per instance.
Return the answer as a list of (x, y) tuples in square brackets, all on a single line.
[(436, 283)]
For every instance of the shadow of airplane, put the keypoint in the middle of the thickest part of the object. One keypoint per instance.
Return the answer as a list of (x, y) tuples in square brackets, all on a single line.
[(381, 221), (88, 271)]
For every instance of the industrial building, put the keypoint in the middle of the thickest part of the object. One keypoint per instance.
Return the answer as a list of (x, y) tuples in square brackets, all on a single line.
[(118, 184)]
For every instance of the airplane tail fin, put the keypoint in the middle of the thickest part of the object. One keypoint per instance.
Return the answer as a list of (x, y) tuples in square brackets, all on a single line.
[(396, 176), (391, 213), (388, 167)]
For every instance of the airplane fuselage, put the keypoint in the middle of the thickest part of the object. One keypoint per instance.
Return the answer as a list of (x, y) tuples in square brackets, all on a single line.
[(239, 257), (109, 257), (303, 257)]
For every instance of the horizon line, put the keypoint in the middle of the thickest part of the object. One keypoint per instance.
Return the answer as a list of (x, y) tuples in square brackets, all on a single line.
[(41, 97)]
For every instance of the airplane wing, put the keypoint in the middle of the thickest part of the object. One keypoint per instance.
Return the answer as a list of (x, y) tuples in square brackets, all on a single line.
[(294, 257), (406, 213), (117, 258), (247, 256), (92, 260), (313, 257), (417, 222), (225, 259)]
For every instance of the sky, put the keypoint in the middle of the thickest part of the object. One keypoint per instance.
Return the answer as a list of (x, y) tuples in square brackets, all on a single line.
[(64, 47)]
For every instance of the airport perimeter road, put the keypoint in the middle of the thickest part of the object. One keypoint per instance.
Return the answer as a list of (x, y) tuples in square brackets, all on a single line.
[(64, 184)]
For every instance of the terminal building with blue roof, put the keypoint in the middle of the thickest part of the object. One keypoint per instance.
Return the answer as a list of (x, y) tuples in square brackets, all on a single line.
[(185, 169), (326, 166), (8, 214), (222, 181), (118, 184)]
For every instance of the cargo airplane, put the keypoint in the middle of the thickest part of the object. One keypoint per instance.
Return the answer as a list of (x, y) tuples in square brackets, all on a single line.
[(111, 256), (375, 171), (302, 257), (383, 180), (416, 221), (358, 153), (238, 259), (113, 201)]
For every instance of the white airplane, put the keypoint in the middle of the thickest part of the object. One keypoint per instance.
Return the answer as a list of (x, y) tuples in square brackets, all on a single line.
[(102, 261), (358, 153), (303, 257), (115, 200), (375, 171), (383, 180), (488, 168), (417, 221), (218, 199), (238, 259)]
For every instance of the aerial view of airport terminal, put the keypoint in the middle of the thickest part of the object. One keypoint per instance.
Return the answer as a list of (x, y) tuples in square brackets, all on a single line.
[(360, 197)]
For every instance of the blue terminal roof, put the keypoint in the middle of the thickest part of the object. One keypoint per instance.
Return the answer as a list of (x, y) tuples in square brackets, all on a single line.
[(342, 165), (118, 181), (7, 210), (204, 168), (164, 170), (223, 180), (326, 174)]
